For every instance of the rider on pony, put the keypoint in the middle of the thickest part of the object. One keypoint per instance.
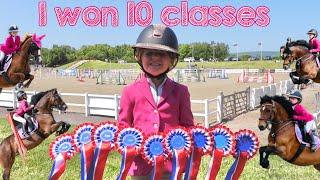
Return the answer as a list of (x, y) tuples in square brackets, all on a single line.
[(11, 45), (22, 109), (304, 118), (313, 41)]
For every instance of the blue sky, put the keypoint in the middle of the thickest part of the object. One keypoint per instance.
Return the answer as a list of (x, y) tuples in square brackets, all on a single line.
[(287, 18)]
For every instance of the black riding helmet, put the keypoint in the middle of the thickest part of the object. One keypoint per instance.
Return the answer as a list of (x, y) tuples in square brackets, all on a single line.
[(13, 28), (313, 31), (21, 95), (158, 37), (295, 94)]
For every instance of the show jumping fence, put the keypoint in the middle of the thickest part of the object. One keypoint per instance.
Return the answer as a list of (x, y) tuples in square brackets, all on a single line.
[(210, 111)]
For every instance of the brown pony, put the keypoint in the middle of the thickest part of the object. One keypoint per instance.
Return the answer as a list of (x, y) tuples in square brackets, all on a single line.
[(44, 103), (19, 70), (277, 112), (306, 66)]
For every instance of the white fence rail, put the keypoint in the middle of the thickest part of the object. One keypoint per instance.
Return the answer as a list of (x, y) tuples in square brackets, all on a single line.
[(108, 105)]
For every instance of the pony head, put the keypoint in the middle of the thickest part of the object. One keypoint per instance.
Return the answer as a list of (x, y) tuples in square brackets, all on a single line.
[(37, 40)]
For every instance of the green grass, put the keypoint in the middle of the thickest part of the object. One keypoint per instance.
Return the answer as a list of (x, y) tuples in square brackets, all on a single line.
[(38, 165), (94, 64)]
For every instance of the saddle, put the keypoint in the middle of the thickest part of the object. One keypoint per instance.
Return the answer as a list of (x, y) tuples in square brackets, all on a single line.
[(32, 126), (304, 138), (4, 66)]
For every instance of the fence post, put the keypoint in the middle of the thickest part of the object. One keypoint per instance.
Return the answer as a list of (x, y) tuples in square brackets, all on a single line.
[(116, 110), (86, 104), (14, 102), (248, 105), (234, 111), (206, 112), (219, 109)]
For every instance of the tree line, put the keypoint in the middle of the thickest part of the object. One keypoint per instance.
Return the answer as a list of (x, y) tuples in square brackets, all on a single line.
[(63, 54)]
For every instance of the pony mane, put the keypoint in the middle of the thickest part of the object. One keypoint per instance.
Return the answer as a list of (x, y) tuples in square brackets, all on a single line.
[(299, 43), (25, 38), (286, 104), (36, 98)]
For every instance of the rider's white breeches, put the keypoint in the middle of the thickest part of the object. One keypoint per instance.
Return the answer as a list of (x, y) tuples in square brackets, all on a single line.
[(19, 119), (311, 125), (1, 56)]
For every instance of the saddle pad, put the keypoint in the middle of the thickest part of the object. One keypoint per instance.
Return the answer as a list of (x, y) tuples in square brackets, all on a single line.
[(299, 137)]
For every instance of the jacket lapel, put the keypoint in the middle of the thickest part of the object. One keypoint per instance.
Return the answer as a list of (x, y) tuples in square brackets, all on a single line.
[(167, 89), (145, 90)]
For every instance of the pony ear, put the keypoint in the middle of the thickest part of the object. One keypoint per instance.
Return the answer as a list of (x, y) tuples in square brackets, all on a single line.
[(34, 36), (289, 40), (41, 37)]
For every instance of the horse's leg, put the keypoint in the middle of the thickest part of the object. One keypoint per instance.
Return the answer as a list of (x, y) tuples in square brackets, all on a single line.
[(8, 157), (265, 151), (55, 127), (30, 77), (17, 77), (295, 78)]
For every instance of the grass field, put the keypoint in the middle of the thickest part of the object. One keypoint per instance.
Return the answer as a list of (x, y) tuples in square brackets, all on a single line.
[(38, 165), (235, 65)]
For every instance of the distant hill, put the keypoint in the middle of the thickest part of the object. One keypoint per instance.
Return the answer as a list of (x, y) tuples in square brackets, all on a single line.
[(257, 53)]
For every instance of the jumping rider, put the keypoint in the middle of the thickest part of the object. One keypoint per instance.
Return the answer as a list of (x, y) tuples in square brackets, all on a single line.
[(302, 115), (313, 41), (22, 109), (11, 45)]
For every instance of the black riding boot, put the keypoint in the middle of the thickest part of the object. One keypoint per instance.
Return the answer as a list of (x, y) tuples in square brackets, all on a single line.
[(313, 139)]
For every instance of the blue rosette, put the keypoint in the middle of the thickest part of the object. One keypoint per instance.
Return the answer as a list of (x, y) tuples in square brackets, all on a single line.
[(201, 139), (153, 147), (105, 133), (223, 139), (129, 137), (178, 139), (83, 134), (62, 144), (246, 141)]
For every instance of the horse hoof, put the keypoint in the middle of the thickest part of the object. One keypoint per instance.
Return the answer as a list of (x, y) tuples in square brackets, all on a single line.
[(265, 164)]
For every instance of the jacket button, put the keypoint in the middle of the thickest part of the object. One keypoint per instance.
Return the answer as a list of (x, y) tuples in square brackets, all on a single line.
[(155, 126), (155, 111)]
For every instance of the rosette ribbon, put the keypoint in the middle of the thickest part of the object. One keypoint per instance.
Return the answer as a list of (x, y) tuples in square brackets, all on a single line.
[(224, 144), (202, 143), (60, 150), (83, 141), (129, 143), (154, 152), (247, 144), (178, 142), (103, 138)]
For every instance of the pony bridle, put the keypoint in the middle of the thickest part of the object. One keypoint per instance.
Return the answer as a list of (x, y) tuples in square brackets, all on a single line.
[(270, 120), (271, 116)]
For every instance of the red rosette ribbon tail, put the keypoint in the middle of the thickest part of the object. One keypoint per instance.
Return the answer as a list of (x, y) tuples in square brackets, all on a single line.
[(58, 167), (86, 154), (202, 143), (104, 136), (99, 161), (237, 167), (179, 162), (127, 159), (215, 163), (158, 167)]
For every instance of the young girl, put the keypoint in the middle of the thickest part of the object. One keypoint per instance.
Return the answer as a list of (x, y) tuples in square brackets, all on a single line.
[(302, 114), (22, 109), (11, 45), (313, 41), (154, 103)]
